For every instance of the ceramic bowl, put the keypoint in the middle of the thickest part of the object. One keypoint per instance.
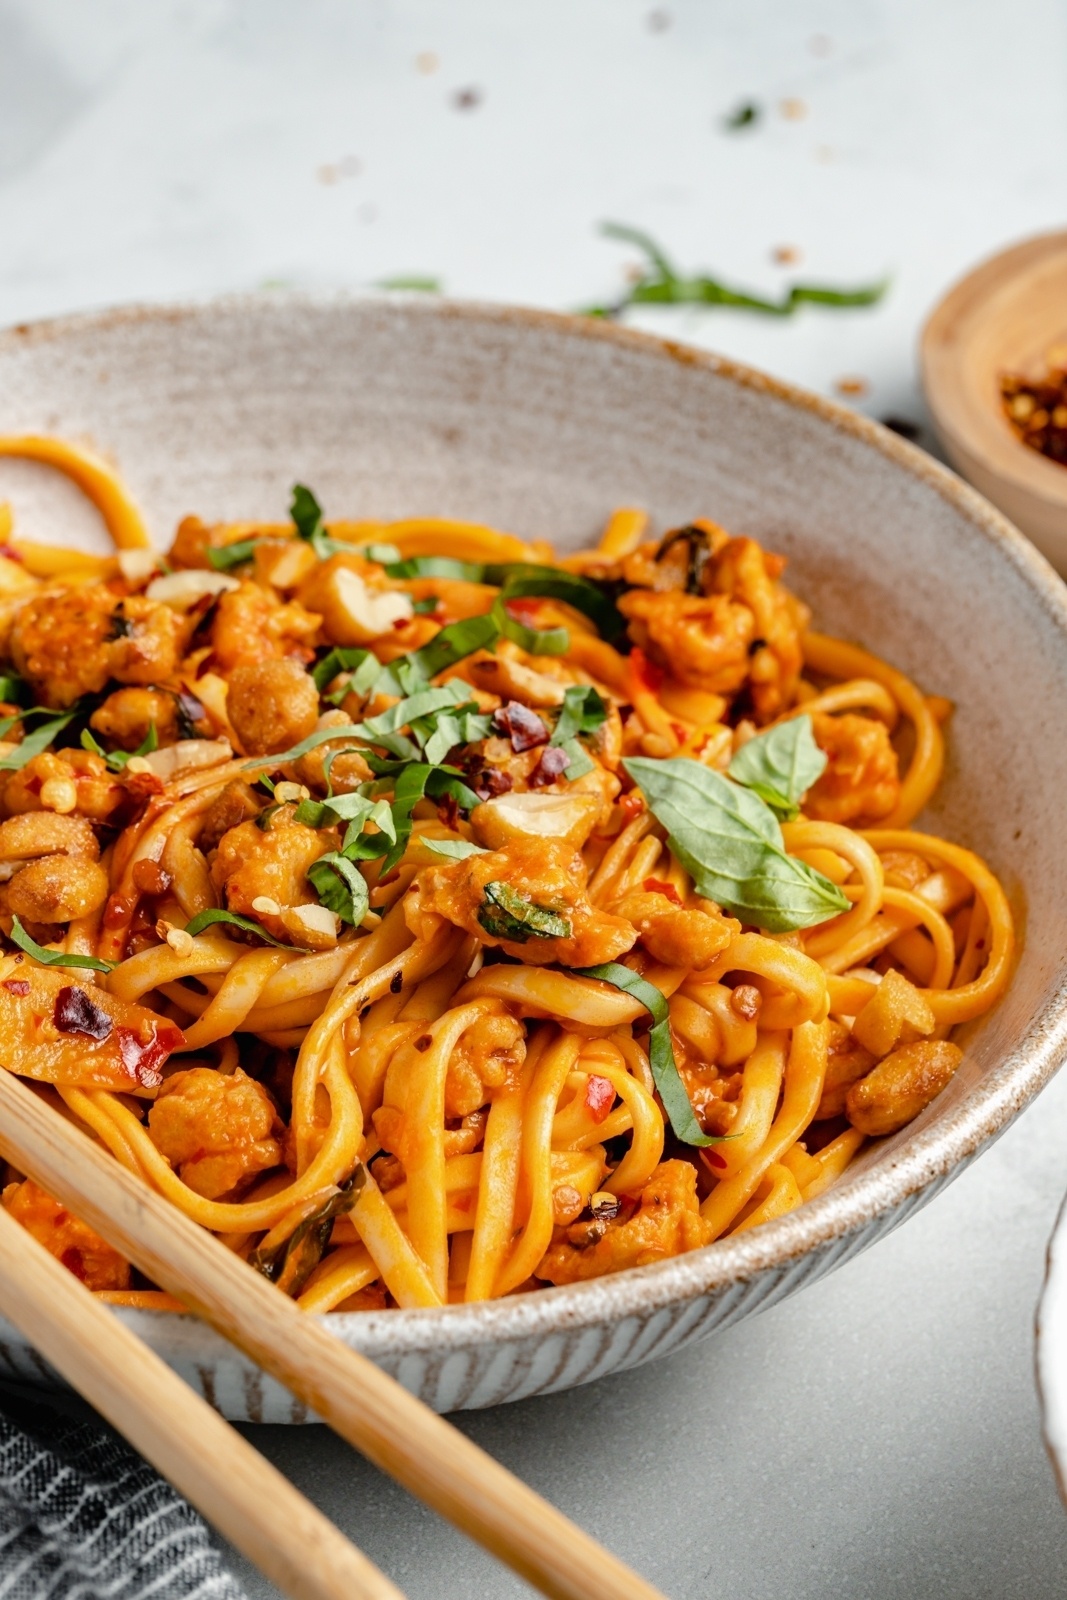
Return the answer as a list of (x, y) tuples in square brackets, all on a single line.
[(1002, 317), (542, 424), (1051, 1351)]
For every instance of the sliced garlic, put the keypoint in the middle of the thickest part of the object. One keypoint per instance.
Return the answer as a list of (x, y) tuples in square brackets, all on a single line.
[(187, 755), (180, 590), (355, 614), (545, 816), (136, 565)]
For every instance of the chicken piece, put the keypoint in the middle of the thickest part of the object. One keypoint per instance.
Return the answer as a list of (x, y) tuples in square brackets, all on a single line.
[(722, 626), (254, 863), (70, 643), (666, 1223), (703, 640), (674, 935), (125, 718), (217, 1131), (749, 575), (902, 1085), (347, 769), (65, 1236), (50, 778), (237, 803), (488, 1056), (272, 705), (55, 889), (861, 780), (529, 899), (251, 624)]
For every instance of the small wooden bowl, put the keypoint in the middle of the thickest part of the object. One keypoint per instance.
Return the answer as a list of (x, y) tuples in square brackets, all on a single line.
[(1003, 317)]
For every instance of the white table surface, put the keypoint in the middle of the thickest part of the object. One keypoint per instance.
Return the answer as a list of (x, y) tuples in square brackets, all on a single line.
[(877, 1436)]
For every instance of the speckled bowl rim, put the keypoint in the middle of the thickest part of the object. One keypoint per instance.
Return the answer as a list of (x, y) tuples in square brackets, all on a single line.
[(945, 1144)]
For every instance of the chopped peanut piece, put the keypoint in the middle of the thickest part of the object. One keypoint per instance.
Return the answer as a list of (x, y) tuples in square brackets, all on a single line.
[(896, 1014)]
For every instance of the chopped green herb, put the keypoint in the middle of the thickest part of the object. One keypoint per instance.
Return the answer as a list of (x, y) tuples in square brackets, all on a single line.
[(519, 579), (413, 282), (664, 1067), (34, 743), (780, 765), (13, 689), (340, 886), (507, 914), (119, 760), (228, 556), (583, 712), (662, 285), (730, 842), (54, 958), (743, 116)]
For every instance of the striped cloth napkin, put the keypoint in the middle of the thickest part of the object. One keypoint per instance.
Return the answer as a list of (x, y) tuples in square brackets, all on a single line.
[(84, 1518)]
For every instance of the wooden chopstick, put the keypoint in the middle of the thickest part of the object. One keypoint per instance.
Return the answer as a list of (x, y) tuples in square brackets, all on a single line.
[(252, 1504), (372, 1411)]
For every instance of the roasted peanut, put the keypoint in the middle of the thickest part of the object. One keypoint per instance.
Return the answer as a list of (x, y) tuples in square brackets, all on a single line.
[(901, 1086), (57, 889), (43, 833)]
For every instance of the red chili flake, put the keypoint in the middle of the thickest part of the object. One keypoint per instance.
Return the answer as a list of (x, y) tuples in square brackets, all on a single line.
[(552, 765), (75, 1012), (142, 1059), (190, 707), (423, 1042), (522, 726), (117, 911), (678, 731), (448, 810), (526, 609), (17, 985), (631, 805), (648, 674), (661, 886), (599, 1097), (713, 1159), (9, 552)]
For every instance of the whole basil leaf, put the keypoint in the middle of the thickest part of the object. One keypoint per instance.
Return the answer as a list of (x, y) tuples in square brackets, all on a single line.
[(731, 844), (507, 914), (667, 1078), (780, 765)]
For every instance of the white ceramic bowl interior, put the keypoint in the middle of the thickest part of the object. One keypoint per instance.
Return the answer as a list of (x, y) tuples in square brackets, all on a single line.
[(541, 425)]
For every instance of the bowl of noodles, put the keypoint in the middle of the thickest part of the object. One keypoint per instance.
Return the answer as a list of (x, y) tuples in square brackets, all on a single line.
[(518, 827)]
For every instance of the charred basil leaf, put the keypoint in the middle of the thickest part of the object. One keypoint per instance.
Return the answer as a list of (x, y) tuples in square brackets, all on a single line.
[(291, 1263), (507, 914)]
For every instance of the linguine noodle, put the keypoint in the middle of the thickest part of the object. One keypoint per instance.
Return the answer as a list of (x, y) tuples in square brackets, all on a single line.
[(434, 919)]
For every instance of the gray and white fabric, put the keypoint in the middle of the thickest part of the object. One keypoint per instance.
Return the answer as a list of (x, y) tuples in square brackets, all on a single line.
[(84, 1518)]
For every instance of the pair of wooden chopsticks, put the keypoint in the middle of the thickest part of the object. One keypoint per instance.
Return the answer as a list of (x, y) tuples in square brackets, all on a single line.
[(256, 1508)]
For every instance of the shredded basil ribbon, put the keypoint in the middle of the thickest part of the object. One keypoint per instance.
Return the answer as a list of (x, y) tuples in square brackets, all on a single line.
[(665, 1072), (204, 919), (119, 760), (522, 578), (34, 743), (54, 958)]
